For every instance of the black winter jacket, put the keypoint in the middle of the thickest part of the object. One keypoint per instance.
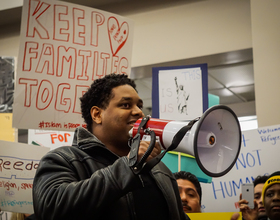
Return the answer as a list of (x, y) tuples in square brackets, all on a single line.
[(87, 181)]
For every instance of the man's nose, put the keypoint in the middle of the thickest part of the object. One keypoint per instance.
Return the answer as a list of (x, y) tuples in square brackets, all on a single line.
[(276, 197), (183, 196), (137, 111), (260, 201)]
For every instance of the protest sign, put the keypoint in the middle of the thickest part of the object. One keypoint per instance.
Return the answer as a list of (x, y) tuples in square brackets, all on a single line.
[(258, 156), (49, 138), (180, 92), (18, 164), (63, 48)]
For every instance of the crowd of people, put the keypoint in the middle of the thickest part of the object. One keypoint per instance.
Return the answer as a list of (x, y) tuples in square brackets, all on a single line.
[(96, 177), (267, 199), (266, 196)]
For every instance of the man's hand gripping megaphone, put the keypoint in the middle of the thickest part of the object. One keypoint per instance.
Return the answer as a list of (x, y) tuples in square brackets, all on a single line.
[(153, 155)]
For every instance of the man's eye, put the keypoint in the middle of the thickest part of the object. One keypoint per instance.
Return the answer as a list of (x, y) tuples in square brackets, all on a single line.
[(257, 197), (269, 194), (140, 106), (125, 105)]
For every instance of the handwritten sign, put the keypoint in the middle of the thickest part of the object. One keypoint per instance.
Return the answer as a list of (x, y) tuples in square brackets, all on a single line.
[(259, 155), (178, 98), (63, 48), (18, 164), (51, 139), (180, 92)]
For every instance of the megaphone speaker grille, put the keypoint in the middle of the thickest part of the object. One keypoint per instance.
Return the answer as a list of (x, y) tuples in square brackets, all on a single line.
[(217, 141)]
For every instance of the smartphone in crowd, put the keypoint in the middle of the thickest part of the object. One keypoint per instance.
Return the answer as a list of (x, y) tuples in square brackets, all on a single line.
[(247, 190)]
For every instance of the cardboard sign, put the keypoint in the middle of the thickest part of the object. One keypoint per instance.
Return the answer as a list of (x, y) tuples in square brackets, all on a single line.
[(18, 164), (63, 48)]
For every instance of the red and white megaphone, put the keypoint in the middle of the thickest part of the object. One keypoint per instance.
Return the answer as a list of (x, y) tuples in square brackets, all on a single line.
[(214, 139)]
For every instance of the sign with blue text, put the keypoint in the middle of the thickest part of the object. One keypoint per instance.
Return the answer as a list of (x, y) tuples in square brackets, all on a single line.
[(180, 93), (18, 164), (259, 155)]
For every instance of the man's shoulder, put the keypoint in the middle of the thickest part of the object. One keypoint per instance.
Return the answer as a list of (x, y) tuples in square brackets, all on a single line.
[(162, 168), (67, 152), (92, 150)]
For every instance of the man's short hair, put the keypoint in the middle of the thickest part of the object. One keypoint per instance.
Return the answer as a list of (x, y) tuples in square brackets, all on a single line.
[(100, 93), (260, 179), (192, 178), (277, 173)]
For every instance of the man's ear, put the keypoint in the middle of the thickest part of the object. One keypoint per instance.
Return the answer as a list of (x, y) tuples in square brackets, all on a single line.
[(95, 113)]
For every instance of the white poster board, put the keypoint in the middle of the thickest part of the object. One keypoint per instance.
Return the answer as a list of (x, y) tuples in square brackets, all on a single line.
[(63, 48), (18, 164), (259, 155), (180, 92), (49, 138)]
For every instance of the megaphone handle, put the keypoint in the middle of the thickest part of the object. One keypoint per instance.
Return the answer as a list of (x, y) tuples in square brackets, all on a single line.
[(133, 154), (143, 123), (136, 142), (137, 168)]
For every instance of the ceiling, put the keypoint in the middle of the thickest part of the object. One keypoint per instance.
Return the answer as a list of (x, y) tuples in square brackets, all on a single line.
[(230, 75)]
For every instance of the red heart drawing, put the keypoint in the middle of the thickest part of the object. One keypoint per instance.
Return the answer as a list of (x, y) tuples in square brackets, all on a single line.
[(117, 34)]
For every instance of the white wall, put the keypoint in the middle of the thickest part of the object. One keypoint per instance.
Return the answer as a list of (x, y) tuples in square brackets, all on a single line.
[(190, 30), (266, 54)]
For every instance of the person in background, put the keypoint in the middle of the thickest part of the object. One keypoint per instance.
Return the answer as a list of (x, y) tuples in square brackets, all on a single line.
[(259, 211), (190, 191), (271, 196), (92, 179)]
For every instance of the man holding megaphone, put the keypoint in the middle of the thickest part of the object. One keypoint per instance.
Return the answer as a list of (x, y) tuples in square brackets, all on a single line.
[(101, 176)]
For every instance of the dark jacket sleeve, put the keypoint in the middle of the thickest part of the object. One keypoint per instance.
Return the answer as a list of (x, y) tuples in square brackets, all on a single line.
[(59, 187), (168, 184)]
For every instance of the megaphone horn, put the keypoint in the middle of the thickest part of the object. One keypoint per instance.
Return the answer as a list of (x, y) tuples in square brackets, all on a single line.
[(214, 139)]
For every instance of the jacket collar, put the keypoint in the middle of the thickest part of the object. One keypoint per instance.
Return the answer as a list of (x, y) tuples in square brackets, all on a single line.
[(86, 141), (84, 137)]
